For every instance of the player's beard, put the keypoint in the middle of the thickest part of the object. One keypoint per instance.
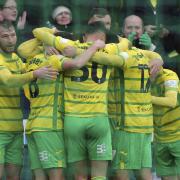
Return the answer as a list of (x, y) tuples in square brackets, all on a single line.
[(9, 49)]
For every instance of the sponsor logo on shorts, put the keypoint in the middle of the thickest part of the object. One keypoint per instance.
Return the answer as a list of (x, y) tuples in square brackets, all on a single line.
[(43, 156), (101, 149)]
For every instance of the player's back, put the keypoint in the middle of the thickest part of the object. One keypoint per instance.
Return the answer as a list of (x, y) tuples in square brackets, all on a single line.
[(136, 106), (45, 99), (85, 91), (166, 119)]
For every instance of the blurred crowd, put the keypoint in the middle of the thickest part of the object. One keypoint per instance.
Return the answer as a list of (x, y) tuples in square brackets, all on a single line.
[(159, 20)]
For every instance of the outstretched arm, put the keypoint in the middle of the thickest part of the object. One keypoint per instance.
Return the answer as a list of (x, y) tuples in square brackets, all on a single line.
[(18, 80), (30, 48), (111, 60), (84, 56), (99, 57), (47, 36), (60, 62)]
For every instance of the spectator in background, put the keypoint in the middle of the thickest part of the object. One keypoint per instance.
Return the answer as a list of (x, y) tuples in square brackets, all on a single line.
[(62, 17), (133, 29), (159, 17), (101, 14), (10, 13), (113, 7), (9, 10), (162, 24), (62, 20)]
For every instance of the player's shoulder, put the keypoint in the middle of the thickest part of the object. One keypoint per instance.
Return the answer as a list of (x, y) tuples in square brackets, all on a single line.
[(169, 74), (37, 59), (35, 62), (16, 58), (14, 55), (168, 78)]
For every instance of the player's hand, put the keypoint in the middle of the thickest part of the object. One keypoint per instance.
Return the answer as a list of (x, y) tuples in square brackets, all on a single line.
[(155, 66), (49, 50), (22, 21), (56, 30), (98, 44), (46, 72), (69, 51), (131, 36), (145, 40)]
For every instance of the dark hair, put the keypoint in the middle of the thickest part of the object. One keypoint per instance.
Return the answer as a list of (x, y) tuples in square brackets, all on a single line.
[(2, 2), (65, 34), (94, 27), (98, 11)]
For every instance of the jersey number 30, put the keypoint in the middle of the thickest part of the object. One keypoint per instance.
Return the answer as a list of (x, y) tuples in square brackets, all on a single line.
[(85, 75)]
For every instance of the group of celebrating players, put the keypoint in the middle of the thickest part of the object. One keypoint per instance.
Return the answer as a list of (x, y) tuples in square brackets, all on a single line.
[(94, 106)]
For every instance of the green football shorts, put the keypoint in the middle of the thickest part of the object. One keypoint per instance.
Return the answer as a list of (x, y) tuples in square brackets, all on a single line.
[(88, 138), (167, 158), (11, 148), (132, 150), (46, 150)]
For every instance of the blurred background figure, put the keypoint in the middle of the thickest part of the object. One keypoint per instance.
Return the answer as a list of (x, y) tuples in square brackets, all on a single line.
[(9, 12), (162, 24), (61, 19), (1, 16), (102, 14), (133, 29)]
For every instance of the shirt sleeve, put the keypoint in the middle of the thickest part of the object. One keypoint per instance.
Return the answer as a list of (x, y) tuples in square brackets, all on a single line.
[(55, 61), (14, 80), (170, 98), (30, 48), (108, 59), (152, 55), (50, 39)]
